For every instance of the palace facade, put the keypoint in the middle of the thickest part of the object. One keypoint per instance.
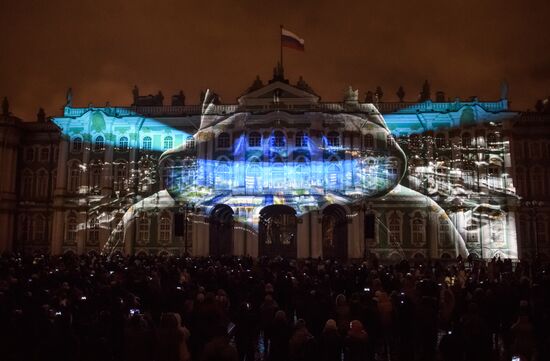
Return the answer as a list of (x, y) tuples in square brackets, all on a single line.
[(279, 173)]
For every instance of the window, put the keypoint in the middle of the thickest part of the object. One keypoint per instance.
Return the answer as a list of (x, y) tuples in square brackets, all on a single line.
[(42, 183), (492, 140), (71, 229), (44, 154), (223, 140), (302, 174), (93, 230), (254, 139), (143, 228), (333, 139), (95, 176), (466, 140), (471, 235), (26, 189), (168, 143), (417, 231), (77, 145), (147, 143), (369, 141), (99, 144), (278, 139), (29, 154), (165, 228), (222, 177), (74, 177), (123, 144), (120, 176), (39, 228), (190, 142), (278, 180), (394, 228), (253, 180), (440, 141), (444, 231), (301, 139), (333, 175)]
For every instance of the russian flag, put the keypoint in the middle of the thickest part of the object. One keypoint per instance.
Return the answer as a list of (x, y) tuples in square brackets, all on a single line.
[(291, 40)]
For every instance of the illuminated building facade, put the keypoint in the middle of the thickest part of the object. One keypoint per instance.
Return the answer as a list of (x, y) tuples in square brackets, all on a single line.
[(279, 172)]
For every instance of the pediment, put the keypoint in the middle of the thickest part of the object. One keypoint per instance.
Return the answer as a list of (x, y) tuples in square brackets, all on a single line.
[(284, 92)]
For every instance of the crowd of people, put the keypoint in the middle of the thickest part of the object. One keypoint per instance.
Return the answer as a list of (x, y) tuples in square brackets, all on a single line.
[(93, 307)]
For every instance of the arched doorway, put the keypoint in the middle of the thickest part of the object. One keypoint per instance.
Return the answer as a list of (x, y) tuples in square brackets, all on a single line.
[(221, 230), (278, 231), (335, 232)]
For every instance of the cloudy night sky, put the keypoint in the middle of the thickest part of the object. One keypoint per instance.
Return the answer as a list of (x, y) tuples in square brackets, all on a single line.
[(101, 48)]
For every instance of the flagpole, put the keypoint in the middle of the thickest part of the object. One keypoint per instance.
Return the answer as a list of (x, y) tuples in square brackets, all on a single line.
[(281, 39)]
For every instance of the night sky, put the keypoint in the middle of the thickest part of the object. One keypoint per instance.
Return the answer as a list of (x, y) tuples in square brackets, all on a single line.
[(103, 47)]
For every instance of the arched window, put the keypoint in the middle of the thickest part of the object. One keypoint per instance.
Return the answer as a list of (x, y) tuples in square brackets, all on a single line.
[(26, 189), (44, 154), (120, 177), (301, 139), (302, 173), (39, 228), (99, 144), (222, 176), (168, 142), (440, 140), (495, 179), (29, 155), (71, 229), (333, 139), (253, 180), (278, 180), (418, 230), (123, 144), (254, 139), (492, 139), (165, 228), (394, 226), (444, 230), (147, 143), (74, 177), (278, 139), (469, 176), (333, 175), (369, 141), (466, 140), (42, 183), (143, 228), (77, 145), (95, 176), (190, 142), (93, 230), (223, 140)]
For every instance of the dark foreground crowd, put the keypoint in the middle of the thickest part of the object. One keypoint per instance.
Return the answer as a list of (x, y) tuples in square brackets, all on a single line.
[(155, 308)]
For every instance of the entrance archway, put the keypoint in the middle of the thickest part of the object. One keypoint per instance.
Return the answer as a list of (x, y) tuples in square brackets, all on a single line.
[(335, 232), (277, 231), (221, 230)]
